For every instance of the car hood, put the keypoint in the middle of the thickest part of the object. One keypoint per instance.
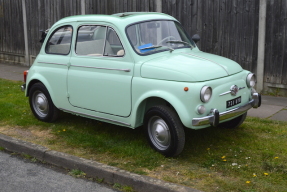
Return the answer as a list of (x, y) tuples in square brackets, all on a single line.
[(190, 67)]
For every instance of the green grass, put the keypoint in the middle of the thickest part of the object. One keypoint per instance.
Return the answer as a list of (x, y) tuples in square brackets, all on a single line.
[(77, 173), (251, 158)]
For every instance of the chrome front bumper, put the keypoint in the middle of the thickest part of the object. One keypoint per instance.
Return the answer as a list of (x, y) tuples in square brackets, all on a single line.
[(214, 118)]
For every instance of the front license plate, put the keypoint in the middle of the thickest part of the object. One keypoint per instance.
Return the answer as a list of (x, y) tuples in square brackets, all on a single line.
[(232, 102)]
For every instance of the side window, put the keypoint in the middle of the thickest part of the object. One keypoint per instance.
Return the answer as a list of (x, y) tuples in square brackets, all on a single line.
[(98, 41), (113, 44), (90, 40), (60, 41)]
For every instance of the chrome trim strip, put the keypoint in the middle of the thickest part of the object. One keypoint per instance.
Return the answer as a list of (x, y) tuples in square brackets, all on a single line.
[(52, 63), (125, 70), (254, 102), (97, 117), (225, 93), (105, 40)]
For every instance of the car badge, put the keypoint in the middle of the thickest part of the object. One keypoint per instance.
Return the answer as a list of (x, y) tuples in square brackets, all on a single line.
[(234, 89)]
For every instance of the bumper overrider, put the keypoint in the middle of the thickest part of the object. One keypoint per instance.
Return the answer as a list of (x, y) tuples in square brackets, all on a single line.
[(23, 87), (214, 117)]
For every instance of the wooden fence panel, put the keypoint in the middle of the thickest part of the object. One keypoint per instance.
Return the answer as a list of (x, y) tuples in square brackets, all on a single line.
[(276, 42), (118, 6), (42, 14), (12, 47), (11, 22), (227, 27)]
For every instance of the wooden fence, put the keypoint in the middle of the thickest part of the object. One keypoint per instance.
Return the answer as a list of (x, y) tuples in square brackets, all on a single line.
[(276, 44), (227, 27)]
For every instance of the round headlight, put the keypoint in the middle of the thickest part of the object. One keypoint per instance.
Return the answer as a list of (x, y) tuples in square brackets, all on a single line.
[(205, 94), (251, 80)]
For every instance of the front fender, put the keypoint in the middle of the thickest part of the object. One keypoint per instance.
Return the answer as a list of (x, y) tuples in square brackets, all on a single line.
[(172, 92)]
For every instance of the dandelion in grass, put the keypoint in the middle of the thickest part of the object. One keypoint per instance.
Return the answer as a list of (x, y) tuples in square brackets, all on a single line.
[(266, 174), (254, 175), (223, 157), (64, 129), (276, 157), (248, 182)]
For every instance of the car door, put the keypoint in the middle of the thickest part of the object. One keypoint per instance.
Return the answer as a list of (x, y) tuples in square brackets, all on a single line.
[(100, 75), (52, 63)]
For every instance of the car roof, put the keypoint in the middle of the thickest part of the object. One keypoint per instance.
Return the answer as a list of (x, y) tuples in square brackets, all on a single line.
[(122, 19)]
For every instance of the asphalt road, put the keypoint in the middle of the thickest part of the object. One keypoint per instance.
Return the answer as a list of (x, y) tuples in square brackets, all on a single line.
[(18, 174)]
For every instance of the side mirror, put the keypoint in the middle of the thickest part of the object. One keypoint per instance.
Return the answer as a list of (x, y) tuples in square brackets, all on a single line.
[(43, 35), (195, 38)]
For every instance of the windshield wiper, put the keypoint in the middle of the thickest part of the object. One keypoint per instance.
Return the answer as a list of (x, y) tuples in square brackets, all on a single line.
[(157, 46), (183, 42)]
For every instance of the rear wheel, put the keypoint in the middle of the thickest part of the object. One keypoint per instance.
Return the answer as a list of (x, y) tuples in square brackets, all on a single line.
[(164, 131), (41, 104), (234, 123)]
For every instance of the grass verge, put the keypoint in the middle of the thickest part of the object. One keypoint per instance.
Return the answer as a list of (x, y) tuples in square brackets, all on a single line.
[(251, 158)]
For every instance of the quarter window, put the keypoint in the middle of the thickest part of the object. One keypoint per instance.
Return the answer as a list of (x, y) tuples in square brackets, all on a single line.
[(113, 44), (60, 41)]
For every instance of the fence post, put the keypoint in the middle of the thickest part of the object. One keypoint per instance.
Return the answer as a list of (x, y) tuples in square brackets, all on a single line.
[(261, 45), (83, 7), (27, 58), (159, 6)]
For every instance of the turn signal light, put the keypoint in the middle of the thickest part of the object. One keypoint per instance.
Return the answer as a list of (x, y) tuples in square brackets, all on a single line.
[(25, 75)]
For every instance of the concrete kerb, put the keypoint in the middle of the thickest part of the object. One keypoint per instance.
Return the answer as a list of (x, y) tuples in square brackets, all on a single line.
[(91, 168)]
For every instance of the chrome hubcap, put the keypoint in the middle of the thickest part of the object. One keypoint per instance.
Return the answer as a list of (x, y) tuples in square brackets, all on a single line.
[(159, 133), (40, 104)]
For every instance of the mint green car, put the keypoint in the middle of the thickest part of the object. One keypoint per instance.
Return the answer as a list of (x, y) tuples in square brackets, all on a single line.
[(133, 69)]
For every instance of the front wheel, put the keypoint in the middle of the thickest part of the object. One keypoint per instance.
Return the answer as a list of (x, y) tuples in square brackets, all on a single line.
[(164, 131), (234, 123), (41, 103)]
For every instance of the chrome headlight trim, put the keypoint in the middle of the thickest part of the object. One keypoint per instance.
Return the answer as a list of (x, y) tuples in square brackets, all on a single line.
[(205, 93), (251, 80)]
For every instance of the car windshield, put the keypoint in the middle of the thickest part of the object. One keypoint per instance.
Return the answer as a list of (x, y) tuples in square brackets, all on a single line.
[(155, 36)]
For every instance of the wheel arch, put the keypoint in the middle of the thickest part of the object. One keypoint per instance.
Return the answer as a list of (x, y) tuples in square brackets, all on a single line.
[(44, 82), (148, 101)]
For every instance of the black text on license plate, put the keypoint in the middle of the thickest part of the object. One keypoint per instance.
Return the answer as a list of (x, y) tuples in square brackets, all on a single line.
[(233, 102)]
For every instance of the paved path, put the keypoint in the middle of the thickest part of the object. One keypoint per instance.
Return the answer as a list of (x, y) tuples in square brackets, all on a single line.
[(274, 108), (12, 72), (18, 174)]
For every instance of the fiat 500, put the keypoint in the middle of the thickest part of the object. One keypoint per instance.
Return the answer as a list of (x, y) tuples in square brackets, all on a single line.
[(134, 69)]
